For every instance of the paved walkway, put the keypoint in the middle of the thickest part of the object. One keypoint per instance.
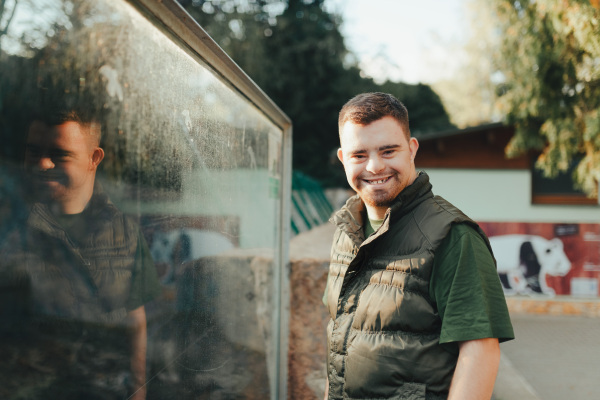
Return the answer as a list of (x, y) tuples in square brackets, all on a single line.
[(554, 357)]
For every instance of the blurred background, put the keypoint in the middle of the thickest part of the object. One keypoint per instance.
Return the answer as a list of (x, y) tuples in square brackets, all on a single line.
[(504, 97)]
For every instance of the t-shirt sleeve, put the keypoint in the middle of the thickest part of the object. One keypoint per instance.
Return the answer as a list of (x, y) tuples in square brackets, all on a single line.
[(466, 289), (145, 286)]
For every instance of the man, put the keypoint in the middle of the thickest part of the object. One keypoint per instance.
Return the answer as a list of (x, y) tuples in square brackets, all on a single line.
[(417, 310), (86, 264)]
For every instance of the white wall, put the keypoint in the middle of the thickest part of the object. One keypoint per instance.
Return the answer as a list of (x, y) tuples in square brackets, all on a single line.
[(502, 196)]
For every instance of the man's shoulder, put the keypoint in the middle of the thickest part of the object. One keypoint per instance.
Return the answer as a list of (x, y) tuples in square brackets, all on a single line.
[(448, 207), (100, 202), (435, 209), (101, 205), (463, 229), (460, 232)]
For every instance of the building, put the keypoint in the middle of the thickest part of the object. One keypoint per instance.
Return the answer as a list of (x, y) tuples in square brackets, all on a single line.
[(510, 197)]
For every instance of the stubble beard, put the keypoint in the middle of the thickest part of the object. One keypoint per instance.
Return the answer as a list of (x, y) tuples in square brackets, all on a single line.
[(48, 188), (380, 197)]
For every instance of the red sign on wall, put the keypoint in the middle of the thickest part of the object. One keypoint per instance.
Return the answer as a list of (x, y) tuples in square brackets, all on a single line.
[(546, 259)]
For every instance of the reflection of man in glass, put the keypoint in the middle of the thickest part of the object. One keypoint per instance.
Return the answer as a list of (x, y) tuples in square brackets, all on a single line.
[(88, 267), (62, 157)]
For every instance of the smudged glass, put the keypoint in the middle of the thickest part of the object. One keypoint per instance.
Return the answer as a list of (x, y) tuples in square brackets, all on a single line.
[(192, 171)]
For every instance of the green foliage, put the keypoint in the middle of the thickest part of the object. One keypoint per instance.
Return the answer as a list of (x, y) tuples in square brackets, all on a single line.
[(292, 49), (66, 73), (550, 58), (427, 113), (295, 52)]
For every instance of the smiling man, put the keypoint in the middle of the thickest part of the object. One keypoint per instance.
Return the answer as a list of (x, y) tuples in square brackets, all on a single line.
[(417, 309)]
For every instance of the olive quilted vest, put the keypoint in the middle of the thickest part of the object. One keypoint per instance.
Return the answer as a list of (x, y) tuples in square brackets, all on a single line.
[(384, 329), (90, 281)]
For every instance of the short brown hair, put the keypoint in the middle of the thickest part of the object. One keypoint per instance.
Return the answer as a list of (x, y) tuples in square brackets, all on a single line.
[(366, 108), (55, 107)]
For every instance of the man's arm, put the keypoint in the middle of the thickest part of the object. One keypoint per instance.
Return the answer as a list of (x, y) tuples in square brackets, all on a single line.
[(138, 342), (476, 370)]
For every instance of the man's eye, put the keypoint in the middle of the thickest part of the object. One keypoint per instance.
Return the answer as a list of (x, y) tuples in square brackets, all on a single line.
[(59, 156), (33, 152)]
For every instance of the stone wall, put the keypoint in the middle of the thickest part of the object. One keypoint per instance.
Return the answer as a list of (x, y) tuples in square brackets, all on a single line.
[(309, 265)]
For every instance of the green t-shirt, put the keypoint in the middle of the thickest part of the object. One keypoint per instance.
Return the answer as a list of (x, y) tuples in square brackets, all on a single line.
[(372, 226), (466, 289), (144, 286)]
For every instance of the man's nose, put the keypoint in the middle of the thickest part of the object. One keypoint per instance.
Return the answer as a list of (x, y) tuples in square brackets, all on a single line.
[(375, 165), (45, 163)]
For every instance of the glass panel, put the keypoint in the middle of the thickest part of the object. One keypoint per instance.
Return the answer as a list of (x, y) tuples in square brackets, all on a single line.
[(140, 208)]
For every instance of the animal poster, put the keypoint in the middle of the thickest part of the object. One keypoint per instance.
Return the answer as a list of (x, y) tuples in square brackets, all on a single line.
[(176, 240), (544, 259)]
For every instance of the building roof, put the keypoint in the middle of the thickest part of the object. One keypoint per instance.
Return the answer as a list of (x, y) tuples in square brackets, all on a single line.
[(477, 147), (458, 132)]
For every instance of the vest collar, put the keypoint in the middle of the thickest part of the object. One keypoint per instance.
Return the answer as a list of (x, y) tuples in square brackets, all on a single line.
[(351, 217), (411, 196), (99, 209)]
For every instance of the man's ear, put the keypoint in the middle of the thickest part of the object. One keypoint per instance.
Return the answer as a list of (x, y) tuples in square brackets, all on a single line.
[(413, 145), (97, 157), (340, 155)]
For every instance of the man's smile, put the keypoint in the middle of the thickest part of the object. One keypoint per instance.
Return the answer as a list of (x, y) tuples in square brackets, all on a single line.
[(46, 177), (377, 181)]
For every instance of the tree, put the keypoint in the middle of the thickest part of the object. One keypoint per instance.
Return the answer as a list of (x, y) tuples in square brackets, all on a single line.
[(425, 108), (84, 55), (550, 58), (469, 96), (6, 16), (295, 52), (36, 72)]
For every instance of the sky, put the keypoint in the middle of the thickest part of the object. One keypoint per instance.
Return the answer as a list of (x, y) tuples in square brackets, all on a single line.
[(404, 40), (401, 40)]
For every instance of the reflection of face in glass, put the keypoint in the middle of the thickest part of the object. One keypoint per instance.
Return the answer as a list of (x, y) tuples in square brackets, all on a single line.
[(62, 162)]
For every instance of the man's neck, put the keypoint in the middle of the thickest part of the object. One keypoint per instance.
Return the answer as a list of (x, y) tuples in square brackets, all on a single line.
[(74, 205), (376, 213)]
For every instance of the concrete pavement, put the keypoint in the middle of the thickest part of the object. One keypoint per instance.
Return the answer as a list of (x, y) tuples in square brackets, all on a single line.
[(556, 355)]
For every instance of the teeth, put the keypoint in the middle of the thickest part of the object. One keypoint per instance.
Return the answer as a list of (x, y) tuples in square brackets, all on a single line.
[(379, 181)]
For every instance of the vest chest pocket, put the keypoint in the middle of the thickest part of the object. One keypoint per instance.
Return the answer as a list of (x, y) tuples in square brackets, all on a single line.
[(371, 377)]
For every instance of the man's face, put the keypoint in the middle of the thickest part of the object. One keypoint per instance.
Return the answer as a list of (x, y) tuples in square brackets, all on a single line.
[(378, 160), (61, 161)]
